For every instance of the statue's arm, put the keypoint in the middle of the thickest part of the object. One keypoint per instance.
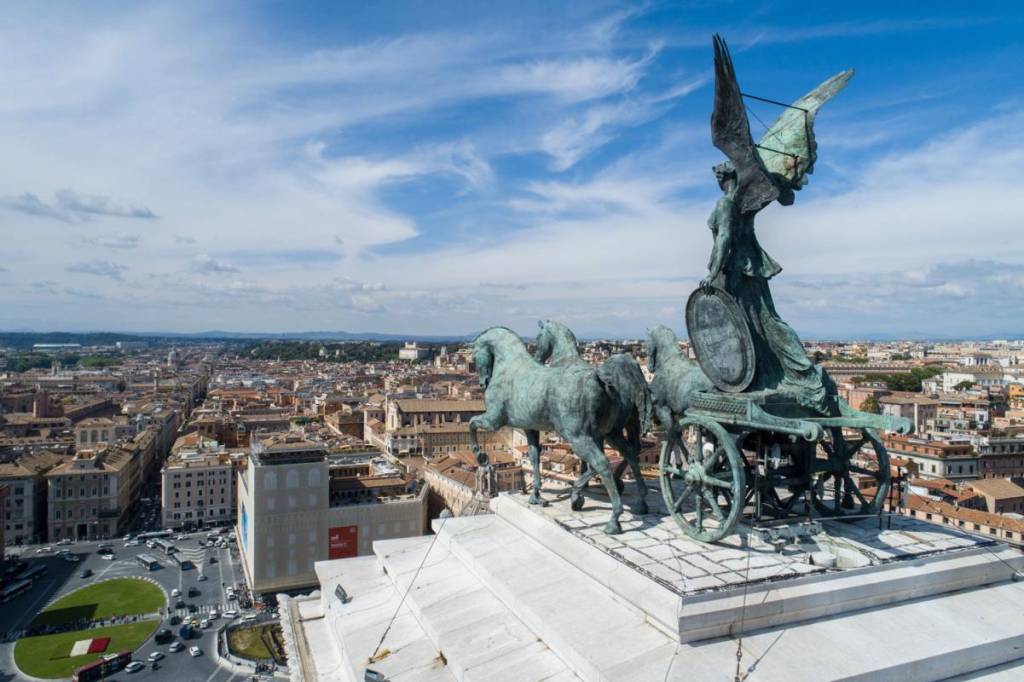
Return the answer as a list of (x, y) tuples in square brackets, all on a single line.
[(721, 227)]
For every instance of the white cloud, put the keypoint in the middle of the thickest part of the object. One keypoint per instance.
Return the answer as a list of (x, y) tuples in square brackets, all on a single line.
[(204, 263), (99, 268)]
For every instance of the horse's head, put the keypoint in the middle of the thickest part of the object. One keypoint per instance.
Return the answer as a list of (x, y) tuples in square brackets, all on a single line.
[(492, 343), (659, 341), (545, 342), (483, 358)]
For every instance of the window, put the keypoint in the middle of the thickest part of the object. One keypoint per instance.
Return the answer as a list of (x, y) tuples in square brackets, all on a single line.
[(314, 477), (292, 479), (270, 480)]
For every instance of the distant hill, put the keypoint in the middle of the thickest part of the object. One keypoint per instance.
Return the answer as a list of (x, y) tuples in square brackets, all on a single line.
[(26, 339)]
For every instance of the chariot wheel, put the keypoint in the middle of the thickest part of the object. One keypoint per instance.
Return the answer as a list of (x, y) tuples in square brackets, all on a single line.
[(702, 479), (835, 492)]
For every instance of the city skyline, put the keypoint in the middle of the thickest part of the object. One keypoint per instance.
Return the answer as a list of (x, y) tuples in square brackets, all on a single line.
[(435, 171)]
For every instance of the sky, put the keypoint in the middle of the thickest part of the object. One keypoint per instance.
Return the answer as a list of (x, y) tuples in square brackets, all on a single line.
[(443, 167)]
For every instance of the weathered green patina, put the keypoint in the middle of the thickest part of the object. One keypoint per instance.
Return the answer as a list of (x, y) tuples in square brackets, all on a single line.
[(557, 343), (754, 176), (581, 403)]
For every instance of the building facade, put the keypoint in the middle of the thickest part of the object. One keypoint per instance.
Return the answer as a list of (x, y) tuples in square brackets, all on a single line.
[(287, 519), (198, 488)]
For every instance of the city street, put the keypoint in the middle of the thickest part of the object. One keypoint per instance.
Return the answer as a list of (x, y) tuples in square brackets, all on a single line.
[(219, 567)]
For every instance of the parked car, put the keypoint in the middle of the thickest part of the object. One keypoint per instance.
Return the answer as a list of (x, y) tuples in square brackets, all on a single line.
[(195, 651), (134, 667)]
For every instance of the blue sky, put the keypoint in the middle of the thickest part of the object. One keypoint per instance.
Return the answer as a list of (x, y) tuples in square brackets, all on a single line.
[(443, 167)]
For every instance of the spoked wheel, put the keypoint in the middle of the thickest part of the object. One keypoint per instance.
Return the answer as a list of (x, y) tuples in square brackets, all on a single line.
[(702, 479), (835, 492)]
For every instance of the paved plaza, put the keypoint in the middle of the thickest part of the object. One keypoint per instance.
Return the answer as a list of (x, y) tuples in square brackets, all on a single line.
[(62, 577)]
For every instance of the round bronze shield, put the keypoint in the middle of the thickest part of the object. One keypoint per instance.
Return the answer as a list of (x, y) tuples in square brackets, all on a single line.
[(721, 339)]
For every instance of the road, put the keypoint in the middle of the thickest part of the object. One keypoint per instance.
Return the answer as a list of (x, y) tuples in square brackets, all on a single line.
[(63, 577)]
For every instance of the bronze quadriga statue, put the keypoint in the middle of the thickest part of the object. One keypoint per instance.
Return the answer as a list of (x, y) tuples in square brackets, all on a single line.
[(754, 426), (759, 428)]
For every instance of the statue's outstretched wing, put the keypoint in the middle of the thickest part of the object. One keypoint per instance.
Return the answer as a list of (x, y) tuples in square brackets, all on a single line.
[(730, 132), (788, 149)]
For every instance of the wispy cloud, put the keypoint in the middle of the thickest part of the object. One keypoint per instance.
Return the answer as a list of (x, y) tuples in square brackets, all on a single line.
[(206, 264), (99, 268), (114, 240), (68, 206)]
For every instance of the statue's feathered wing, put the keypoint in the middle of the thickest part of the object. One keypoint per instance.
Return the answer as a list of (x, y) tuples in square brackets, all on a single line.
[(785, 156), (730, 132), (788, 150)]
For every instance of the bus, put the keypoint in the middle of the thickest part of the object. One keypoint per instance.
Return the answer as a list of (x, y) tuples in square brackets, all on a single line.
[(33, 574), (148, 561), (101, 668), (13, 590), (152, 535), (166, 545)]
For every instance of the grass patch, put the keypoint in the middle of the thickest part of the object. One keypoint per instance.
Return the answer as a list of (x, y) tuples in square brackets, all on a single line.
[(117, 597), (47, 655), (252, 642)]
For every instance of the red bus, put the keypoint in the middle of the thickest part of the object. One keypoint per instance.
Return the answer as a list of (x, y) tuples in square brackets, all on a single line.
[(100, 668)]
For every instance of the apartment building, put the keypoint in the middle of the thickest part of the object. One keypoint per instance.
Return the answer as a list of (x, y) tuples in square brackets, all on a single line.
[(292, 512), (430, 412), (25, 506), (198, 486), (954, 460), (90, 496)]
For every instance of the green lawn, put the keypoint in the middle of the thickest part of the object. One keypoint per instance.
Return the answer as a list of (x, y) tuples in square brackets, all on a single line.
[(246, 642), (251, 642), (47, 656), (117, 597)]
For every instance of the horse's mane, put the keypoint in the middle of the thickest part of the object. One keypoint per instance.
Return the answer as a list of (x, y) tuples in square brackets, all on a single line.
[(666, 341), (556, 328), (502, 335)]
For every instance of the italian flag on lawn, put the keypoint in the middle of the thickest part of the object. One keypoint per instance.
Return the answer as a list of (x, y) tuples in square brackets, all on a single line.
[(97, 645)]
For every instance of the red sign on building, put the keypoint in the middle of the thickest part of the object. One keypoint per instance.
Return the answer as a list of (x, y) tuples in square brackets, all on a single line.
[(342, 542)]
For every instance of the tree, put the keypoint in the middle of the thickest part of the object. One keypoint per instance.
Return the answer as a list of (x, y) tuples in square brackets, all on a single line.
[(963, 386), (871, 405)]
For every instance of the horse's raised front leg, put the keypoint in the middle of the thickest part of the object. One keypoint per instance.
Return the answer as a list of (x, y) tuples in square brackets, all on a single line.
[(590, 450), (488, 421), (533, 447)]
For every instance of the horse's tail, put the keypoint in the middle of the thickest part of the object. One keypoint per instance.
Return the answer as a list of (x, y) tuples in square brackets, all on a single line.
[(623, 375)]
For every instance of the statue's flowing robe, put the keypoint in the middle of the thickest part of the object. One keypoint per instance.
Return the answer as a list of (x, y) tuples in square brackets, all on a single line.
[(781, 363)]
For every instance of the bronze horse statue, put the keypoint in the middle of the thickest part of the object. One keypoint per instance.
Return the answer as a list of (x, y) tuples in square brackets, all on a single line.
[(582, 404), (557, 343)]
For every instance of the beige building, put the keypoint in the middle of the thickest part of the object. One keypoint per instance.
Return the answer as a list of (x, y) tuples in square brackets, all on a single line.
[(292, 512), (430, 412), (98, 430), (91, 495), (198, 486), (445, 439), (25, 506)]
